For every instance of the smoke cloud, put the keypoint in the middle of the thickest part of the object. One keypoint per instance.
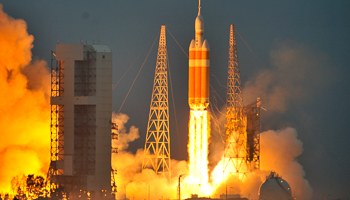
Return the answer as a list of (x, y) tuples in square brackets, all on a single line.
[(24, 104), (279, 150), (297, 73), (124, 138), (288, 80), (131, 180)]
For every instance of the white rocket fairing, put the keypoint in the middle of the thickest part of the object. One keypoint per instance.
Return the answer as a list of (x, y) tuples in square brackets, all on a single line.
[(199, 65)]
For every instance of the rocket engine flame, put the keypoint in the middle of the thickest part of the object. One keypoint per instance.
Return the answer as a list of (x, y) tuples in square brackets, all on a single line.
[(24, 105), (24, 141), (198, 99), (198, 147)]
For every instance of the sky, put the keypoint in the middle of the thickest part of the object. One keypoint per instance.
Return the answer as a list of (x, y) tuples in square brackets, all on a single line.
[(293, 54)]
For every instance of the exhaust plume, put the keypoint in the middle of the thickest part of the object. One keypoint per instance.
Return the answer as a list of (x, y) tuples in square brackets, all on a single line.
[(24, 104), (131, 181), (298, 73), (279, 150)]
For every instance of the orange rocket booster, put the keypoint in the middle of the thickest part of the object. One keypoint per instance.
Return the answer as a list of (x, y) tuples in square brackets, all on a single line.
[(199, 65)]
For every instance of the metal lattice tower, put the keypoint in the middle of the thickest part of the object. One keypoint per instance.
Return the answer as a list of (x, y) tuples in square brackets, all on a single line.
[(157, 145), (236, 137)]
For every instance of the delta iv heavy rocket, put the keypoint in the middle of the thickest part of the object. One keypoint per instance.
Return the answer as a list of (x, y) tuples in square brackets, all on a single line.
[(199, 63), (198, 100)]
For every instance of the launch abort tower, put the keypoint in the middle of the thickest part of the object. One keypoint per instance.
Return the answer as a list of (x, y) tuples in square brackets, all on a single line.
[(81, 110)]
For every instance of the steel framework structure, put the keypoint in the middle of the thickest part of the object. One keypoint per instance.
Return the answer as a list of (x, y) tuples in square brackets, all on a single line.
[(157, 145), (235, 120), (114, 136), (57, 76), (252, 111), (57, 113), (85, 74), (84, 123)]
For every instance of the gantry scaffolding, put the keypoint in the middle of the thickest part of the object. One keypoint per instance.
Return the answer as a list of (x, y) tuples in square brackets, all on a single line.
[(82, 134), (114, 137), (57, 114), (252, 111), (242, 151), (157, 145)]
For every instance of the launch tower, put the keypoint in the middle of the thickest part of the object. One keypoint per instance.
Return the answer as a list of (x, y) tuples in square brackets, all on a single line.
[(236, 136), (157, 145), (81, 110), (242, 123)]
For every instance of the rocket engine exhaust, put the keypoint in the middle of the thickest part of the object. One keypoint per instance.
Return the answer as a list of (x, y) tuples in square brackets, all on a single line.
[(198, 100)]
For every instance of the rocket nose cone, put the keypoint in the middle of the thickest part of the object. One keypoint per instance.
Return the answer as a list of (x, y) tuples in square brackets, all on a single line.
[(205, 45), (199, 24), (192, 45), (199, 18)]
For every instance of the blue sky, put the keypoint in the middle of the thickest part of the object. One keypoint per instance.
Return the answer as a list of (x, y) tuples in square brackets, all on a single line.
[(320, 29)]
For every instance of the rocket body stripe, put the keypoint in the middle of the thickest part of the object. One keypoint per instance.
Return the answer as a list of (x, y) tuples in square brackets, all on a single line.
[(191, 78), (197, 77), (205, 83), (192, 54), (204, 54), (199, 71), (203, 63)]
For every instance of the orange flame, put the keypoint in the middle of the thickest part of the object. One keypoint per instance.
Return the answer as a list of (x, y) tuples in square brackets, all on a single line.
[(199, 133), (198, 147), (24, 105)]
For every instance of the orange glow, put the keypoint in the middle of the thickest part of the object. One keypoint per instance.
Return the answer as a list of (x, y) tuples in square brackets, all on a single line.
[(199, 133), (24, 105), (198, 146)]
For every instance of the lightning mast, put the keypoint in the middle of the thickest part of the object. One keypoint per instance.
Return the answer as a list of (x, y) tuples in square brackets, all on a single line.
[(236, 138), (157, 145), (242, 153)]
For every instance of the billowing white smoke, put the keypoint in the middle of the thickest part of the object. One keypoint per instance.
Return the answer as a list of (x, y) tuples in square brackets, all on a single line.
[(286, 81), (279, 150), (132, 183), (297, 74), (124, 138)]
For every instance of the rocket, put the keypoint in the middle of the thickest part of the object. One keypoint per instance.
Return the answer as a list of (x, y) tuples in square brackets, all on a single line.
[(199, 66)]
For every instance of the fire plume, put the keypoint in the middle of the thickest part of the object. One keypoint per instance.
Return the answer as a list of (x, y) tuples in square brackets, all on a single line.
[(24, 105), (199, 133)]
